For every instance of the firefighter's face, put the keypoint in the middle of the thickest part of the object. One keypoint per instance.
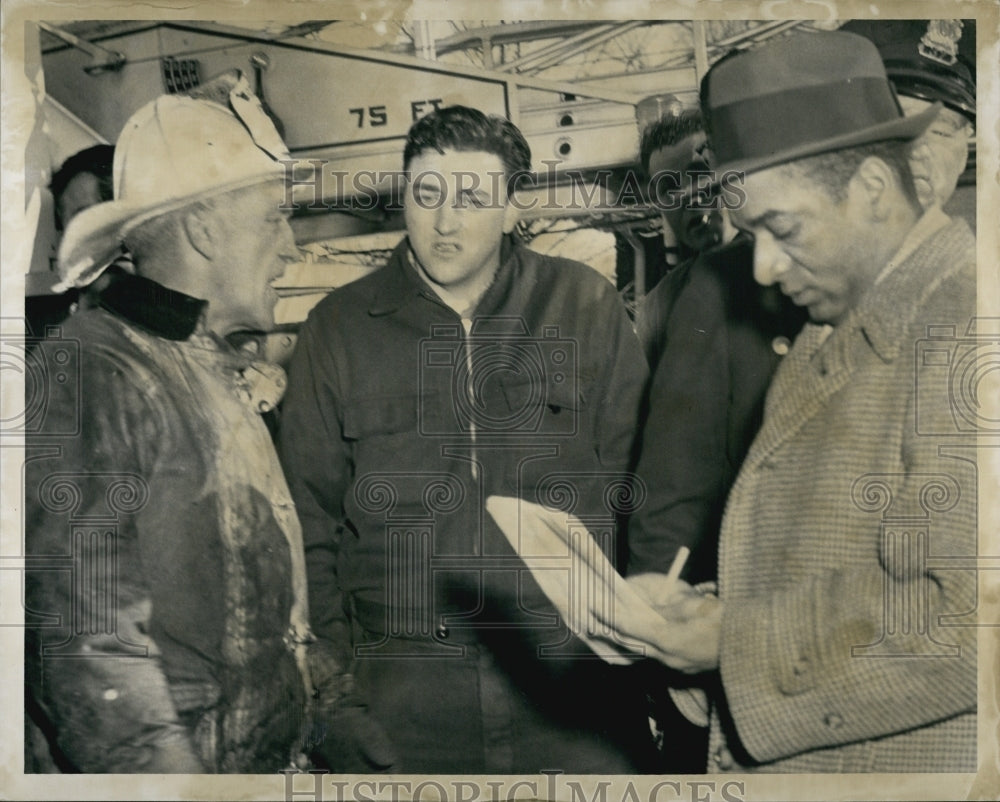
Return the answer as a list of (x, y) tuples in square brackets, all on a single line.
[(257, 245)]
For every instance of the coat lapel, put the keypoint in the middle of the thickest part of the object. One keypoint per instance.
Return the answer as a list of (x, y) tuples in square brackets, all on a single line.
[(818, 365)]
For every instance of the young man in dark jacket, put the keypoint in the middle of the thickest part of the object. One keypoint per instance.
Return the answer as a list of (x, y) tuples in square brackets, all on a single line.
[(468, 366)]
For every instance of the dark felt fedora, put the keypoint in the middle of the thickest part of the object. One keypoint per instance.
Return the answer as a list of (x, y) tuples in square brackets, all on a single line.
[(800, 96)]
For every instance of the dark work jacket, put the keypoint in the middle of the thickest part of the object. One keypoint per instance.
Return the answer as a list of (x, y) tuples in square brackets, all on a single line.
[(714, 338), (378, 426), (401, 419), (159, 532)]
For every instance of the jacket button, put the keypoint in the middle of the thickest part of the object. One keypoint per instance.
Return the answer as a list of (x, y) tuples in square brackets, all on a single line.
[(801, 666), (442, 631), (723, 758), (833, 721)]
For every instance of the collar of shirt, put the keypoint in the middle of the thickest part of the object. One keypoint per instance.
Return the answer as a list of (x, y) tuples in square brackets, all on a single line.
[(462, 308), (174, 316), (881, 331), (404, 281), (932, 221), (887, 309)]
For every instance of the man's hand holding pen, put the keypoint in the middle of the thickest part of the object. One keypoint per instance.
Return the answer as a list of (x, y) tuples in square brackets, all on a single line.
[(687, 637), (684, 633)]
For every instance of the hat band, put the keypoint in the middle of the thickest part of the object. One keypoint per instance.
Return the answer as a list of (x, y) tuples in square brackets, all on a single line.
[(782, 121)]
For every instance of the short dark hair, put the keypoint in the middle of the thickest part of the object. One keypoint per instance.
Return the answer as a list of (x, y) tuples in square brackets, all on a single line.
[(464, 128), (667, 132), (832, 171), (98, 161)]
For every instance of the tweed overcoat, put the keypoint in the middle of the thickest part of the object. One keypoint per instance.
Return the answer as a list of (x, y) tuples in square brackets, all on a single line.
[(847, 641)]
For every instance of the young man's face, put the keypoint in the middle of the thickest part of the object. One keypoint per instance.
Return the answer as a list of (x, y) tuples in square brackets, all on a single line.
[(817, 250), (456, 214)]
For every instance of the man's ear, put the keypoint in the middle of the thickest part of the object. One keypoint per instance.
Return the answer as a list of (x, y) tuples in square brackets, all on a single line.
[(511, 214), (872, 181), (197, 226), (922, 167)]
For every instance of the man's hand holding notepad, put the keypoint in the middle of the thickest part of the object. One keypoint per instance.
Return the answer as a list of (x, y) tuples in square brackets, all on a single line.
[(650, 615)]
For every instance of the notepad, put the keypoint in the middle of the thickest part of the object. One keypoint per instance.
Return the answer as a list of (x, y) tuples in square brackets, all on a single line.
[(571, 569)]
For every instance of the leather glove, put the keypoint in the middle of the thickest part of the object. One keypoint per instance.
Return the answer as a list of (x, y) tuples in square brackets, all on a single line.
[(345, 738), (350, 741)]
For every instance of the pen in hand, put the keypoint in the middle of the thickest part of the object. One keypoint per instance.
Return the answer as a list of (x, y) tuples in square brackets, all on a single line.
[(677, 565), (656, 588)]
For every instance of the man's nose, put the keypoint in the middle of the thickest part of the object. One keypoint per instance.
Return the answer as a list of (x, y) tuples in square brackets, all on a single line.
[(448, 218), (769, 261), (289, 250)]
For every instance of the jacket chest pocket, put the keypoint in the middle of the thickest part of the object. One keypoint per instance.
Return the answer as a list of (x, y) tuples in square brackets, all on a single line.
[(384, 433), (380, 415), (399, 469), (552, 430), (547, 408)]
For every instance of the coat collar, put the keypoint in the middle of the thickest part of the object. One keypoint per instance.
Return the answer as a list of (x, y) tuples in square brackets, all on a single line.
[(923, 260), (926, 256), (401, 283), (153, 307), (823, 360), (174, 316)]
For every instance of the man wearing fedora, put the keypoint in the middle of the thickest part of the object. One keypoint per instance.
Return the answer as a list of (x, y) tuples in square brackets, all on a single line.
[(844, 627), (167, 607)]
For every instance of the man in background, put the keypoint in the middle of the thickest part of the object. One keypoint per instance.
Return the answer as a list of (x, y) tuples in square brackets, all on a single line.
[(82, 181), (714, 339), (934, 62)]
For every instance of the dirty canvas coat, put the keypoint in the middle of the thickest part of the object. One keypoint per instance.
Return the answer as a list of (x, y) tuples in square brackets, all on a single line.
[(165, 546)]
